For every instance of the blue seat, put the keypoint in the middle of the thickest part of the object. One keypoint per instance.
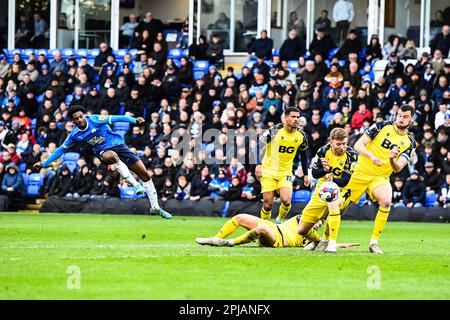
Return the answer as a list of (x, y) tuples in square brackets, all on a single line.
[(186, 52), (33, 123), (26, 52), (51, 53), (22, 167), (93, 53), (71, 156), (199, 74), (82, 53), (33, 190), (431, 199), (332, 53), (128, 193), (362, 54), (301, 196), (276, 52), (249, 64), (175, 54), (25, 178), (292, 65), (177, 62), (307, 54), (41, 51), (72, 165), (35, 179), (66, 53), (132, 52), (201, 65), (120, 53), (121, 126), (69, 99), (362, 200)]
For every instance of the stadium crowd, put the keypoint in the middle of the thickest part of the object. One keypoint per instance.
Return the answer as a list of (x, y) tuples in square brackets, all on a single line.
[(331, 88)]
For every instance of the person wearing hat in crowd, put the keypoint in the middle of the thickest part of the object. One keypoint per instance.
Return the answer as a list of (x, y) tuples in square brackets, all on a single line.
[(351, 45), (394, 61), (4, 66), (122, 89), (63, 183), (262, 66), (414, 191), (432, 178), (13, 156), (215, 50), (219, 186), (373, 51), (13, 184)]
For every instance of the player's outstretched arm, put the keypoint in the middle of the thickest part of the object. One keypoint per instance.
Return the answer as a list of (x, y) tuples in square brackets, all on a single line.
[(53, 157), (361, 148), (138, 120)]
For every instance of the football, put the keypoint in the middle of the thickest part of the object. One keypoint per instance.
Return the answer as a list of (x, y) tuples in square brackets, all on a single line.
[(329, 191)]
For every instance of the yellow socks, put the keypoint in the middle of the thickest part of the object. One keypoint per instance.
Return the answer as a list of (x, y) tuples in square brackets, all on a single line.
[(326, 232), (229, 227), (334, 221), (313, 236), (247, 237), (283, 211), (266, 215), (380, 222)]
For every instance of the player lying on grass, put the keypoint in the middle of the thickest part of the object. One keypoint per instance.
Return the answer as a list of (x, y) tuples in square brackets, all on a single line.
[(266, 232), (95, 132)]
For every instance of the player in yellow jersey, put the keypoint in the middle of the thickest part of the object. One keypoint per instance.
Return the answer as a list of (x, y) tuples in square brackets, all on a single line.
[(267, 233), (335, 161), (385, 148), (283, 143)]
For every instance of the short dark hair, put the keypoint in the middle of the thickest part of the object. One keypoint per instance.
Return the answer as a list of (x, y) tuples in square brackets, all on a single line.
[(290, 110), (74, 109), (406, 108)]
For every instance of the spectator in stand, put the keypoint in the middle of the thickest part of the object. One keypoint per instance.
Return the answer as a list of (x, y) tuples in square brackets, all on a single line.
[(200, 184), (322, 43), (414, 191), (432, 179), (397, 193), (438, 61), (82, 183), (297, 24), (219, 186), (351, 45), (262, 46), (359, 116), (23, 33), (128, 29), (150, 24), (373, 51), (183, 188), (198, 51), (394, 45), (63, 183), (293, 47), (40, 27), (343, 14), (410, 50), (323, 22), (13, 184), (168, 191), (444, 196), (234, 193), (236, 170), (215, 50), (442, 41)]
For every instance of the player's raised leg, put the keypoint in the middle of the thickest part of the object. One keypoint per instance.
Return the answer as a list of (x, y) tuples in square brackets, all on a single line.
[(383, 195), (334, 222), (286, 203)]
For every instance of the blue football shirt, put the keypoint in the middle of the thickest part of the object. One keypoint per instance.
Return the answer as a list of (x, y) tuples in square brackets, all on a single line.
[(98, 135)]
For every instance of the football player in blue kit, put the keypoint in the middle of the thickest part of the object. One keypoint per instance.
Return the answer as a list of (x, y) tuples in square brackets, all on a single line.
[(94, 131)]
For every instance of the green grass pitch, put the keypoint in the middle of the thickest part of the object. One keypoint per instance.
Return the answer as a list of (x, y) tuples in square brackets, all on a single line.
[(142, 257)]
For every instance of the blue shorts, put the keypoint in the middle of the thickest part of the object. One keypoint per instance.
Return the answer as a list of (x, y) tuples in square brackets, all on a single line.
[(125, 154)]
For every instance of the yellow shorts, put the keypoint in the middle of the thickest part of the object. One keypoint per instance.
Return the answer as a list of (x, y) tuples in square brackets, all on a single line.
[(285, 234), (359, 184), (272, 227), (315, 209), (269, 184)]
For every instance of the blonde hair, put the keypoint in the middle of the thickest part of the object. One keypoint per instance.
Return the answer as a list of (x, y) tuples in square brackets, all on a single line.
[(338, 134)]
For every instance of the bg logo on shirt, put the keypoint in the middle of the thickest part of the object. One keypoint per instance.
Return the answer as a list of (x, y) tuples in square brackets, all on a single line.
[(283, 149)]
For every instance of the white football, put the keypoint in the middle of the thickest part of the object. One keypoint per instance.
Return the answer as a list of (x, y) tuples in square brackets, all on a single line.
[(329, 191)]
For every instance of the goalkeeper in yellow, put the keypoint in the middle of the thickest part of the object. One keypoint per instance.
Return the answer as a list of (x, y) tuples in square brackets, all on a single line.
[(335, 162), (283, 144), (386, 147)]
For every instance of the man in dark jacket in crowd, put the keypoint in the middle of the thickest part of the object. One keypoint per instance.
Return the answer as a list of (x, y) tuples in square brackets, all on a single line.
[(63, 183), (101, 58), (292, 48), (351, 45), (322, 43), (442, 41), (431, 178), (414, 192), (134, 106), (199, 185), (262, 46)]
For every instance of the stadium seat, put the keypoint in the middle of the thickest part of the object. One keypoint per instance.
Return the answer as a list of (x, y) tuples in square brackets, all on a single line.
[(82, 53), (71, 156), (301, 196), (35, 182), (120, 53), (177, 62), (201, 65), (128, 193), (332, 53), (26, 52), (121, 126), (249, 64), (41, 51), (132, 52), (72, 165), (33, 190), (69, 99), (25, 178), (307, 54), (362, 54), (66, 53), (51, 53), (362, 200), (22, 167), (93, 53), (186, 52), (276, 52), (175, 54), (292, 65), (199, 74), (431, 199)]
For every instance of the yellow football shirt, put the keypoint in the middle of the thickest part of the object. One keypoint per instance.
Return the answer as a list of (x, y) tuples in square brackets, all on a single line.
[(281, 150), (384, 137)]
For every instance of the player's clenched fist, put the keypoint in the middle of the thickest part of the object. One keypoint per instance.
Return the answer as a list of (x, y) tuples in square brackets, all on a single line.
[(140, 120), (394, 152), (325, 164), (37, 166)]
